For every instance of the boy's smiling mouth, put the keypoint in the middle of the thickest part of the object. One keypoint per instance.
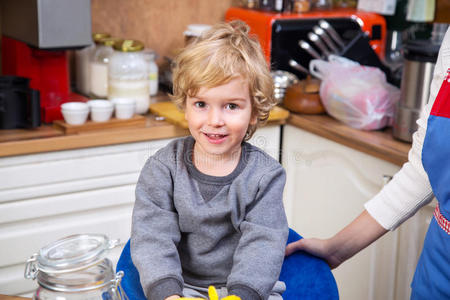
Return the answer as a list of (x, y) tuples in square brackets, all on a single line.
[(215, 138)]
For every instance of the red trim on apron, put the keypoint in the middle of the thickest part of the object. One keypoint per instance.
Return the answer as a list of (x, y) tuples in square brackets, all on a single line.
[(441, 220), (441, 106)]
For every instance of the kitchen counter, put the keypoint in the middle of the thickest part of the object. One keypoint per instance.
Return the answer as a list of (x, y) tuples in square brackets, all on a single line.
[(46, 138), (5, 297), (378, 143)]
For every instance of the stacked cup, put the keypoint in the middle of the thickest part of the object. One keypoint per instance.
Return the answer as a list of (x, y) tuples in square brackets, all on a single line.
[(101, 110), (76, 113), (125, 107)]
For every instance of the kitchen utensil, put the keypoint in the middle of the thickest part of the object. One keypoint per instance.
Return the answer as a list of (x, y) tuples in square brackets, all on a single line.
[(75, 113), (101, 110), (307, 47), (294, 64), (419, 61), (330, 30), (124, 107), (282, 80), (318, 42), (324, 36), (303, 97)]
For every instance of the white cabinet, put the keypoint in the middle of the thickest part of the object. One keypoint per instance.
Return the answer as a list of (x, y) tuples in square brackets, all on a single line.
[(44, 197), (47, 196), (327, 185)]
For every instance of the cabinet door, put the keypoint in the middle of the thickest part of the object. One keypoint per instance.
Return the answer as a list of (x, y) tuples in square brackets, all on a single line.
[(327, 185), (268, 138), (44, 197)]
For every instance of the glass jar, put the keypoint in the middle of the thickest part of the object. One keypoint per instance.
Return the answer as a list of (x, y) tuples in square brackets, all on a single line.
[(75, 268), (193, 31), (150, 57), (128, 74), (82, 64), (99, 68)]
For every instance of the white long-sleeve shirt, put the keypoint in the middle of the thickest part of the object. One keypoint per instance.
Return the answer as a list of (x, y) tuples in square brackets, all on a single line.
[(410, 188)]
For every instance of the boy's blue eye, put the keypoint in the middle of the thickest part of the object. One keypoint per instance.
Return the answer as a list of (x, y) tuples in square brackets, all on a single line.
[(232, 106), (200, 104)]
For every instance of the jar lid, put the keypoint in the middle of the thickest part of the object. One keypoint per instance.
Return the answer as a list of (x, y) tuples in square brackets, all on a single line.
[(70, 254), (196, 29), (110, 41), (97, 36), (129, 45)]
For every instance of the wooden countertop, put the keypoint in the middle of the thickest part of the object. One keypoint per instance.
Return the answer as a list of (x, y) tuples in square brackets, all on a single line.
[(5, 297), (379, 143), (46, 138)]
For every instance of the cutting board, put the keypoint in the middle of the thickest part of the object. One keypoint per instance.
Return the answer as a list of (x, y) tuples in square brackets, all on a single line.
[(135, 121), (172, 114)]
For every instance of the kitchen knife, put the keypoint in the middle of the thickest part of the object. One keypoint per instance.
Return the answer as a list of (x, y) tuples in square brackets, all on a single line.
[(298, 67), (307, 47), (318, 42), (330, 30), (328, 41)]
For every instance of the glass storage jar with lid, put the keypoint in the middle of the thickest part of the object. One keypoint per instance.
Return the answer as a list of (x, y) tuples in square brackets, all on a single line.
[(128, 74), (82, 64), (99, 67), (75, 268)]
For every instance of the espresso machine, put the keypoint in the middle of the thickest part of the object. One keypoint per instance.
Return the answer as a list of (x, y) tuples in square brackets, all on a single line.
[(36, 37)]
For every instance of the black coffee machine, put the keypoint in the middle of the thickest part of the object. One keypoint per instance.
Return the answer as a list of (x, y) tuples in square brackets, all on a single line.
[(19, 104)]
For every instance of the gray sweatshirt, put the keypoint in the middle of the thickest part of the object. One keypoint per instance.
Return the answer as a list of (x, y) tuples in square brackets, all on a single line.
[(204, 230)]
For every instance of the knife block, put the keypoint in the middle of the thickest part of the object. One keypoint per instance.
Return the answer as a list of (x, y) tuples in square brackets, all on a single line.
[(279, 33), (359, 49)]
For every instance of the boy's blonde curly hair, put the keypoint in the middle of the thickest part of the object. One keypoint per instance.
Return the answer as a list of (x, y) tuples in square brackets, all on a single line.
[(220, 54)]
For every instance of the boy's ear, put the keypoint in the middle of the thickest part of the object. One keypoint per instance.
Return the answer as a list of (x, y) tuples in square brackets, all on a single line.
[(254, 119)]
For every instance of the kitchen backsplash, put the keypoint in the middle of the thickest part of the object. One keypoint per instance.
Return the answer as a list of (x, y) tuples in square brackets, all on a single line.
[(158, 23)]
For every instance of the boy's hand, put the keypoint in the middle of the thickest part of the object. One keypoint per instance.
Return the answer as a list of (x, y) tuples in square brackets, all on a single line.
[(212, 293), (173, 297)]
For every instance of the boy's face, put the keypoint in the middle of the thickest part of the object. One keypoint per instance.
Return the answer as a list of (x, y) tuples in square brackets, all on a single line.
[(218, 117)]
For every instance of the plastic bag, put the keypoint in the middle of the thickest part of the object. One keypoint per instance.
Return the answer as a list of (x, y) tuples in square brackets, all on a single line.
[(359, 96)]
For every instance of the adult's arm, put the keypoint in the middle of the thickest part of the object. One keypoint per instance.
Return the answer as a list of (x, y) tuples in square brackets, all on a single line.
[(402, 197)]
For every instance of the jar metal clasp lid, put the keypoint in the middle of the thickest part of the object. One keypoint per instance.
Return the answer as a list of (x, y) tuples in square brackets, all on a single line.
[(31, 268)]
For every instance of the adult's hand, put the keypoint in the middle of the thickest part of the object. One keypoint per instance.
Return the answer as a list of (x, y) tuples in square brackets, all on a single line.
[(360, 233), (316, 247)]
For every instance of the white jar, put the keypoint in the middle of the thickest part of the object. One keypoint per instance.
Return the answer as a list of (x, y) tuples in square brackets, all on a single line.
[(82, 64), (128, 74), (99, 68), (150, 57)]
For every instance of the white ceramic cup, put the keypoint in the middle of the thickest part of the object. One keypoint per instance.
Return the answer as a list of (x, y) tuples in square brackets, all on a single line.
[(125, 107), (101, 110), (75, 113)]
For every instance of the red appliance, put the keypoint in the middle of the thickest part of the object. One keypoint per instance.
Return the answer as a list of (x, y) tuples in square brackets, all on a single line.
[(279, 33), (48, 71)]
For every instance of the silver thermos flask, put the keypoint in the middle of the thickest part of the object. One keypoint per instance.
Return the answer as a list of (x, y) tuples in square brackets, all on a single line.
[(419, 61)]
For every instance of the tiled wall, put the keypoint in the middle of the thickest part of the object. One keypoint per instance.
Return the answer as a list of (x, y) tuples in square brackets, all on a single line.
[(158, 23)]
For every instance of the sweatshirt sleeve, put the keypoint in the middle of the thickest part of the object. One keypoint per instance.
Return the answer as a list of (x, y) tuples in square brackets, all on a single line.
[(259, 255), (410, 189), (155, 233)]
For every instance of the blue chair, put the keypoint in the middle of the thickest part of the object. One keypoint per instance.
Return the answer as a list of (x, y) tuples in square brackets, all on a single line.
[(307, 277)]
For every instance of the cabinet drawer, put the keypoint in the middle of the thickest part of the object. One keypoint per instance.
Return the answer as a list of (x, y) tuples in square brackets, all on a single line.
[(20, 240), (38, 170)]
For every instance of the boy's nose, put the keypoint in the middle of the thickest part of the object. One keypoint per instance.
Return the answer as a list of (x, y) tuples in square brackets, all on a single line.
[(215, 117)]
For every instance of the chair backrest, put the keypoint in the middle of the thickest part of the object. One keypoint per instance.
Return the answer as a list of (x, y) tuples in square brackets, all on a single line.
[(306, 276)]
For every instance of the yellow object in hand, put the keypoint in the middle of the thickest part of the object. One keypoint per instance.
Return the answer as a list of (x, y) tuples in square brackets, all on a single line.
[(212, 293)]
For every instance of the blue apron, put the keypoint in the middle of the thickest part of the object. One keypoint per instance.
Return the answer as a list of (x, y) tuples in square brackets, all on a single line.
[(432, 276)]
